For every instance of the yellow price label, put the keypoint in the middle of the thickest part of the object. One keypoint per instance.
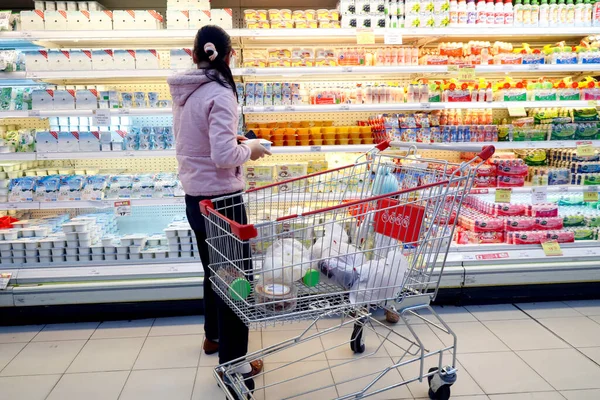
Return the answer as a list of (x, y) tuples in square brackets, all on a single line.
[(590, 195), (365, 36), (552, 248), (503, 195), (585, 149), (592, 103), (452, 68), (466, 73)]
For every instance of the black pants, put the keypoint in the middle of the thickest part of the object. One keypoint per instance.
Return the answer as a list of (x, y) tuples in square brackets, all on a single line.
[(220, 322)]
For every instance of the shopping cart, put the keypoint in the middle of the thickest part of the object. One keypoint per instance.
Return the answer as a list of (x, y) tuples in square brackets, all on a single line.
[(342, 243)]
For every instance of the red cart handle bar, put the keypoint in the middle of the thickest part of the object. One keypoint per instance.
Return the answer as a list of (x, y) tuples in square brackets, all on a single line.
[(248, 231)]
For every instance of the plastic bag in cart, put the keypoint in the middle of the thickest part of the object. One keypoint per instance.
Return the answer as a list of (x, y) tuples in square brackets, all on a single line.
[(380, 279), (340, 261), (286, 261)]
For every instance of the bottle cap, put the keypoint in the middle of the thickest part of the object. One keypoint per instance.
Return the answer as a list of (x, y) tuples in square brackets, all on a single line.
[(239, 289), (311, 278)]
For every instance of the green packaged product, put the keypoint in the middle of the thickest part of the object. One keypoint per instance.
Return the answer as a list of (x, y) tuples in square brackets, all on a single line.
[(574, 220), (563, 132), (584, 233), (587, 131), (585, 115)]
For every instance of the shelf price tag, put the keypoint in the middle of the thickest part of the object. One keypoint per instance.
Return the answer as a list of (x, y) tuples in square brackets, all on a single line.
[(517, 112), (584, 148), (101, 117), (289, 108), (539, 194), (33, 113), (124, 111), (466, 73), (344, 107), (552, 248), (592, 103), (123, 208), (4, 279), (503, 195), (590, 194), (315, 149), (365, 36), (269, 108), (392, 36), (452, 68)]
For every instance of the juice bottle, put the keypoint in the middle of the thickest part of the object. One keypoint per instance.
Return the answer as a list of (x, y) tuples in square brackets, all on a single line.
[(509, 13), (526, 13), (462, 13), (453, 13), (570, 13), (499, 13), (578, 16), (553, 19), (562, 13), (544, 20), (518, 11), (490, 12), (587, 13), (596, 14), (535, 13), (481, 13)]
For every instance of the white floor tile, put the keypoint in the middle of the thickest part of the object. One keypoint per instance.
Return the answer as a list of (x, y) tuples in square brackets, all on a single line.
[(496, 312), (498, 373), (595, 318), (107, 355), (293, 326), (75, 331), (588, 394), (396, 345), (586, 307), (337, 344), (254, 344), (170, 352), (303, 379), (123, 329), (191, 325), (473, 337), (564, 369), (351, 378), (296, 351), (8, 351), (454, 314), (27, 387), (326, 323), (550, 309), (528, 396), (578, 331), (160, 384), (44, 358), (19, 334), (464, 386), (90, 386), (525, 334), (592, 352), (206, 385)]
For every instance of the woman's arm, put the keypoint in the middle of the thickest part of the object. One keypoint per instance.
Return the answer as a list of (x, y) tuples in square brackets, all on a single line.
[(222, 130)]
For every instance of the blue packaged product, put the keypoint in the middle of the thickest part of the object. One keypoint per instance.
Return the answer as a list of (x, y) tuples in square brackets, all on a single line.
[(436, 134), (466, 134)]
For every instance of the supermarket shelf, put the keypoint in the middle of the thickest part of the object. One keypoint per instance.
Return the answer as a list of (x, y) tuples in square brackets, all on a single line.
[(176, 38), (528, 189), (339, 73), (12, 76), (359, 148), (324, 108), (17, 157), (105, 155), (84, 113), (58, 205), (477, 146)]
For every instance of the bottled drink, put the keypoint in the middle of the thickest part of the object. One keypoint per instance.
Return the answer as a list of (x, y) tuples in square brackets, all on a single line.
[(553, 19), (587, 13), (570, 21), (462, 13), (481, 13), (562, 13), (509, 14), (490, 12), (471, 12), (526, 13), (453, 13), (578, 16), (544, 20), (535, 13), (518, 11), (499, 13)]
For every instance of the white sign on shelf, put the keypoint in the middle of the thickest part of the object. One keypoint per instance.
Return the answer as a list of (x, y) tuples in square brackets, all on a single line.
[(4, 279), (315, 149), (392, 36), (101, 117), (124, 111), (33, 113), (539, 194), (123, 208)]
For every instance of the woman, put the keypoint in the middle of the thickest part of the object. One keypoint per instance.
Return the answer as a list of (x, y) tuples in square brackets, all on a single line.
[(210, 154)]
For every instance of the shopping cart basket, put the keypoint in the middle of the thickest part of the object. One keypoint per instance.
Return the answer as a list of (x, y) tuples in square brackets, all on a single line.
[(341, 243)]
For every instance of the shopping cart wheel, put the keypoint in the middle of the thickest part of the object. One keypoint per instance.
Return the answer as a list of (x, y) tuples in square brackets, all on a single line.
[(439, 384), (357, 343)]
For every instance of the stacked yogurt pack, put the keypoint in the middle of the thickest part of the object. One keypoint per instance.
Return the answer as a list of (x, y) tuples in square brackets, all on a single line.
[(181, 239)]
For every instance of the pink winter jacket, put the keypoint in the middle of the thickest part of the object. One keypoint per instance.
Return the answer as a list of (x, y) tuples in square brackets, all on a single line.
[(205, 118)]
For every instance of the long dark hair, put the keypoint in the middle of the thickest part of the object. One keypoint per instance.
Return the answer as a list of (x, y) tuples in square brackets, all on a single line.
[(218, 70)]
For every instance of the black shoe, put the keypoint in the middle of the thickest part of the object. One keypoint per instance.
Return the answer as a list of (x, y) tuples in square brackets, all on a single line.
[(248, 381)]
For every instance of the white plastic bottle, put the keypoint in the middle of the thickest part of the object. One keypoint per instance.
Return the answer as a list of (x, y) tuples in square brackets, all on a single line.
[(509, 13), (553, 14), (579, 10), (518, 11), (526, 13), (471, 12), (570, 13), (462, 13), (414, 60), (481, 13), (544, 14), (535, 13), (587, 13), (499, 13), (596, 14), (562, 13), (453, 13), (490, 11)]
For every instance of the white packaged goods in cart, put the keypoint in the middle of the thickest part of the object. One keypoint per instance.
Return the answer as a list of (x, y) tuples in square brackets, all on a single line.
[(383, 244)]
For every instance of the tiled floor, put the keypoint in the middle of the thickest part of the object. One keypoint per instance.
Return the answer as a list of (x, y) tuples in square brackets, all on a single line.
[(544, 351)]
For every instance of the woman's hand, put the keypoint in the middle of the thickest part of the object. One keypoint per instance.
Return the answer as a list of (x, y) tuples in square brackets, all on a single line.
[(257, 150)]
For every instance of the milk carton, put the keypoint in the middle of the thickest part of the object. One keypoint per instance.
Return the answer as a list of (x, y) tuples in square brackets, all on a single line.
[(37, 60), (222, 17), (147, 59), (78, 20), (32, 20), (64, 99), (86, 99), (59, 60), (199, 18), (178, 19), (68, 142), (103, 60), (55, 20), (101, 20), (81, 60), (124, 59), (46, 142), (42, 99), (181, 59)]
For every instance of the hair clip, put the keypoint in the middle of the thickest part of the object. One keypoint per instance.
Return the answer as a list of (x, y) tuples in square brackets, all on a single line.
[(210, 47)]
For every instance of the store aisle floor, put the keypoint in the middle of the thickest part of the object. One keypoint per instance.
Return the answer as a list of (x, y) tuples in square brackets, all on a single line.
[(535, 351)]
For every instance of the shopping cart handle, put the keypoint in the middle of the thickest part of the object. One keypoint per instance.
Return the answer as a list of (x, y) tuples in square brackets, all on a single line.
[(383, 145), (486, 152)]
